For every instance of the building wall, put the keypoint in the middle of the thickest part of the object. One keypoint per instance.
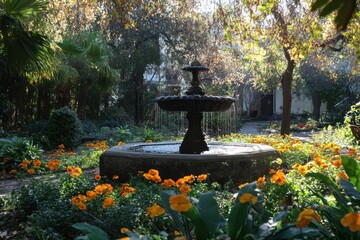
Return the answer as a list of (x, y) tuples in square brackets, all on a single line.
[(300, 104)]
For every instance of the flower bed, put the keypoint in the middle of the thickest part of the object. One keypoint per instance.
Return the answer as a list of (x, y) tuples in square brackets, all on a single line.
[(311, 191)]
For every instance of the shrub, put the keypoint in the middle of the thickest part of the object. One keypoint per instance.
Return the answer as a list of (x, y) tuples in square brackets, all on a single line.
[(15, 150), (37, 131), (353, 115), (64, 128)]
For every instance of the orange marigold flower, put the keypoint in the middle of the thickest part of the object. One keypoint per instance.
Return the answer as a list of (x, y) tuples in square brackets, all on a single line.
[(69, 169), (180, 182), (260, 181), (243, 185), (305, 217), (153, 172), (108, 202), (77, 170), (31, 171), (156, 178), (351, 152), (147, 176), (336, 150), (318, 160), (180, 238), (97, 177), (271, 171), (23, 166), (148, 141), (89, 145), (278, 177), (75, 175), (61, 146), (90, 195), (115, 177), (295, 167), (25, 161), (99, 189), (202, 177), (247, 197), (180, 203), (108, 188), (155, 210), (75, 200), (82, 206), (324, 166), (302, 169), (168, 183), (185, 189), (343, 175), (189, 179), (352, 221), (12, 171), (120, 143), (124, 230), (36, 163)]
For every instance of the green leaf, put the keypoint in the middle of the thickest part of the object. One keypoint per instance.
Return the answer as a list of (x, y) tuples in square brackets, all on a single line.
[(209, 212), (295, 232), (318, 4), (176, 217), (201, 230), (331, 185), (92, 232), (237, 219), (329, 8), (350, 189), (352, 169)]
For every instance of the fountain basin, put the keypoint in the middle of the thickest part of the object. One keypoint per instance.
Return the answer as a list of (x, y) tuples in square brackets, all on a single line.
[(195, 103), (239, 162)]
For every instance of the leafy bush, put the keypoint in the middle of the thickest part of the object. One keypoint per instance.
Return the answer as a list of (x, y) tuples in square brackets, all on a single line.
[(64, 128), (14, 151), (353, 115), (37, 131)]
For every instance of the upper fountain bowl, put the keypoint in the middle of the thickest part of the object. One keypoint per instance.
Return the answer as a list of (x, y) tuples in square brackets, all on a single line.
[(194, 103)]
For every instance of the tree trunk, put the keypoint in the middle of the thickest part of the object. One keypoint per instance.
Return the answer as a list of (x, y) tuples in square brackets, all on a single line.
[(286, 82), (138, 80), (82, 95), (316, 101)]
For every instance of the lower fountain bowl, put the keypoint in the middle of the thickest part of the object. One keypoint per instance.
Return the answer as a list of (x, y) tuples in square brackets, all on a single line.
[(238, 162)]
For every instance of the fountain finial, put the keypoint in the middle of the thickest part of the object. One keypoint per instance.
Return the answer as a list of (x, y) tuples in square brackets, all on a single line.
[(195, 68)]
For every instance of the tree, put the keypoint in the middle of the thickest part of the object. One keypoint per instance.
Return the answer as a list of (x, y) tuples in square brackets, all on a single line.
[(24, 54), (288, 24)]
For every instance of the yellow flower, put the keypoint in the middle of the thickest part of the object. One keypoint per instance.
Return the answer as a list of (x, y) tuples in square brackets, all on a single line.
[(351, 220), (168, 183), (155, 210), (185, 189), (97, 177), (278, 177), (302, 169), (202, 177), (77, 170), (180, 203), (69, 169), (108, 202), (149, 141), (260, 181), (305, 217), (31, 171), (279, 161), (247, 197), (120, 143)]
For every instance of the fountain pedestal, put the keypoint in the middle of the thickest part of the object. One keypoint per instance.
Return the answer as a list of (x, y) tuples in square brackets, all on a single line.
[(194, 140)]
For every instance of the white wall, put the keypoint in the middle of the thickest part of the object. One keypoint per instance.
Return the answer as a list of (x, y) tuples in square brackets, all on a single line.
[(299, 104)]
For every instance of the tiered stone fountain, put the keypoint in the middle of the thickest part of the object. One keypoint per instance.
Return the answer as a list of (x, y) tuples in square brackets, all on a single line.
[(222, 161)]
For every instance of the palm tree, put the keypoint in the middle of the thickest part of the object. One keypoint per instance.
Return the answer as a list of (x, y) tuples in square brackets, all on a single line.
[(24, 54)]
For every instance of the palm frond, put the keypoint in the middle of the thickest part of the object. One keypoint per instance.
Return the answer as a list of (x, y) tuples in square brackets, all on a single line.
[(23, 9)]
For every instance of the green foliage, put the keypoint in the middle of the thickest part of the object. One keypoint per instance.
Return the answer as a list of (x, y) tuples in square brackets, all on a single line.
[(64, 128), (15, 150), (92, 232), (340, 135), (353, 115), (345, 10)]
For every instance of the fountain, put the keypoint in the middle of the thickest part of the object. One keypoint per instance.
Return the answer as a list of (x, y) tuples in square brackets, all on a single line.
[(223, 161)]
